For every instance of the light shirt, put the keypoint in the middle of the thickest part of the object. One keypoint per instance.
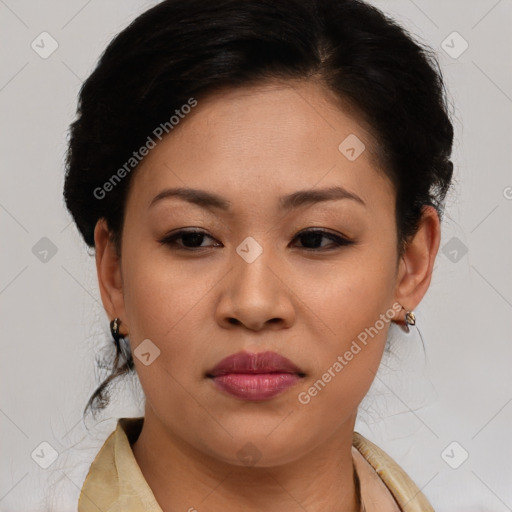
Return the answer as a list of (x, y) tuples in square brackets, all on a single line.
[(115, 482)]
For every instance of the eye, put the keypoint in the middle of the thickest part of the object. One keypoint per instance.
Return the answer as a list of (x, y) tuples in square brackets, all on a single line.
[(313, 237), (310, 239), (191, 240)]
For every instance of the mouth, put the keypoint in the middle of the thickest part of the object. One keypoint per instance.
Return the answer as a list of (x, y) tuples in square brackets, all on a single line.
[(255, 376)]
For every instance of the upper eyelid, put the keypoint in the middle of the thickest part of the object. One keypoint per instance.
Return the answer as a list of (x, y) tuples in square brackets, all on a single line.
[(304, 230)]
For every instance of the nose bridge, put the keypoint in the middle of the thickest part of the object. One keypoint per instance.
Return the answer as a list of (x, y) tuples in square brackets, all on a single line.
[(253, 269), (256, 295)]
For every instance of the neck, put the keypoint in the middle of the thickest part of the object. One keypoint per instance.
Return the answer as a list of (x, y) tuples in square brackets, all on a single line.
[(184, 478)]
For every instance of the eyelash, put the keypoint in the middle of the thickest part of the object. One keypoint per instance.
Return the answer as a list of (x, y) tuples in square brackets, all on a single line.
[(339, 241)]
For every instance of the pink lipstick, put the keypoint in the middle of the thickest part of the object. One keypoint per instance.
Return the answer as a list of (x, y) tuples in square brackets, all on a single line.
[(255, 376)]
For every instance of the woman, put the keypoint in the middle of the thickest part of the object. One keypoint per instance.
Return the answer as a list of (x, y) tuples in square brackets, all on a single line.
[(263, 184)]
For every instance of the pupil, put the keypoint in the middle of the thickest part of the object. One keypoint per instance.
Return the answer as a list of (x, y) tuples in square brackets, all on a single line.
[(314, 238), (192, 237)]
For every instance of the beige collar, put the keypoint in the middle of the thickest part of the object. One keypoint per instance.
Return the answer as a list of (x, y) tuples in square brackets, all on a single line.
[(115, 482)]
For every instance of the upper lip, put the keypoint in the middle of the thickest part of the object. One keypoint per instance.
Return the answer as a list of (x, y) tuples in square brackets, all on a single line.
[(249, 362)]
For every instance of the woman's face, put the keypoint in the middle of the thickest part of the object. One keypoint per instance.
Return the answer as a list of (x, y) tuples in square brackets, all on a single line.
[(260, 276)]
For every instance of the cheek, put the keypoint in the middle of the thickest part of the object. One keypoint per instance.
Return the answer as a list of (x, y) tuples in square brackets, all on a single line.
[(161, 303), (353, 294), (166, 303), (159, 293), (353, 312)]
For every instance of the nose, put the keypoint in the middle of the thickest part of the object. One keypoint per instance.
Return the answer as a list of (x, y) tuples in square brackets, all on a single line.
[(256, 295)]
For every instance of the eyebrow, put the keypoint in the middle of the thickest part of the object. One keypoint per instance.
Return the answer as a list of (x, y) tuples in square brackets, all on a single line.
[(300, 198)]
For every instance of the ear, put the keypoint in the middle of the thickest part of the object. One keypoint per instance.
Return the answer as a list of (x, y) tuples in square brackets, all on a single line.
[(108, 267), (417, 262)]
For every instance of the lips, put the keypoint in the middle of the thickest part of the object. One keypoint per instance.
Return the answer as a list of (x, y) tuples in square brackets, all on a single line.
[(255, 376), (248, 362)]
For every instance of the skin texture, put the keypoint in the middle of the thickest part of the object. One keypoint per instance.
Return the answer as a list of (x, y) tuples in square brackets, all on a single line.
[(252, 146)]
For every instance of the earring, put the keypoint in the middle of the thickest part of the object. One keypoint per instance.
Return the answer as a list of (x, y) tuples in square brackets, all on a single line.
[(410, 319), (114, 329), (122, 344)]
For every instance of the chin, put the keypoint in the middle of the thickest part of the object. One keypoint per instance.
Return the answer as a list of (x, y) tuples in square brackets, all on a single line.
[(257, 449)]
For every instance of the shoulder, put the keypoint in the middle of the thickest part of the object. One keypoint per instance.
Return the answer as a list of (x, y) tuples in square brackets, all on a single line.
[(404, 490)]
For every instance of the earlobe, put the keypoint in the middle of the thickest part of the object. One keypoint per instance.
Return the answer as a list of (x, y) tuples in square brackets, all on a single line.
[(108, 267), (417, 263)]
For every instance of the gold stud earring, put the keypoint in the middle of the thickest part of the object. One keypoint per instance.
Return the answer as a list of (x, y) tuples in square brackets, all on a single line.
[(410, 319)]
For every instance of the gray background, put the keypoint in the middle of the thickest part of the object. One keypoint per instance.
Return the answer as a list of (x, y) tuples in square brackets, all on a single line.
[(53, 323)]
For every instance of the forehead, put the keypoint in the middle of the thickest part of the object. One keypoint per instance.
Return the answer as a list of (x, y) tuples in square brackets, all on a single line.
[(265, 140)]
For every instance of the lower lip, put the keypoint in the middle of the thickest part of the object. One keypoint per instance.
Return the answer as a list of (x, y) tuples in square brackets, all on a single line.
[(255, 386)]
